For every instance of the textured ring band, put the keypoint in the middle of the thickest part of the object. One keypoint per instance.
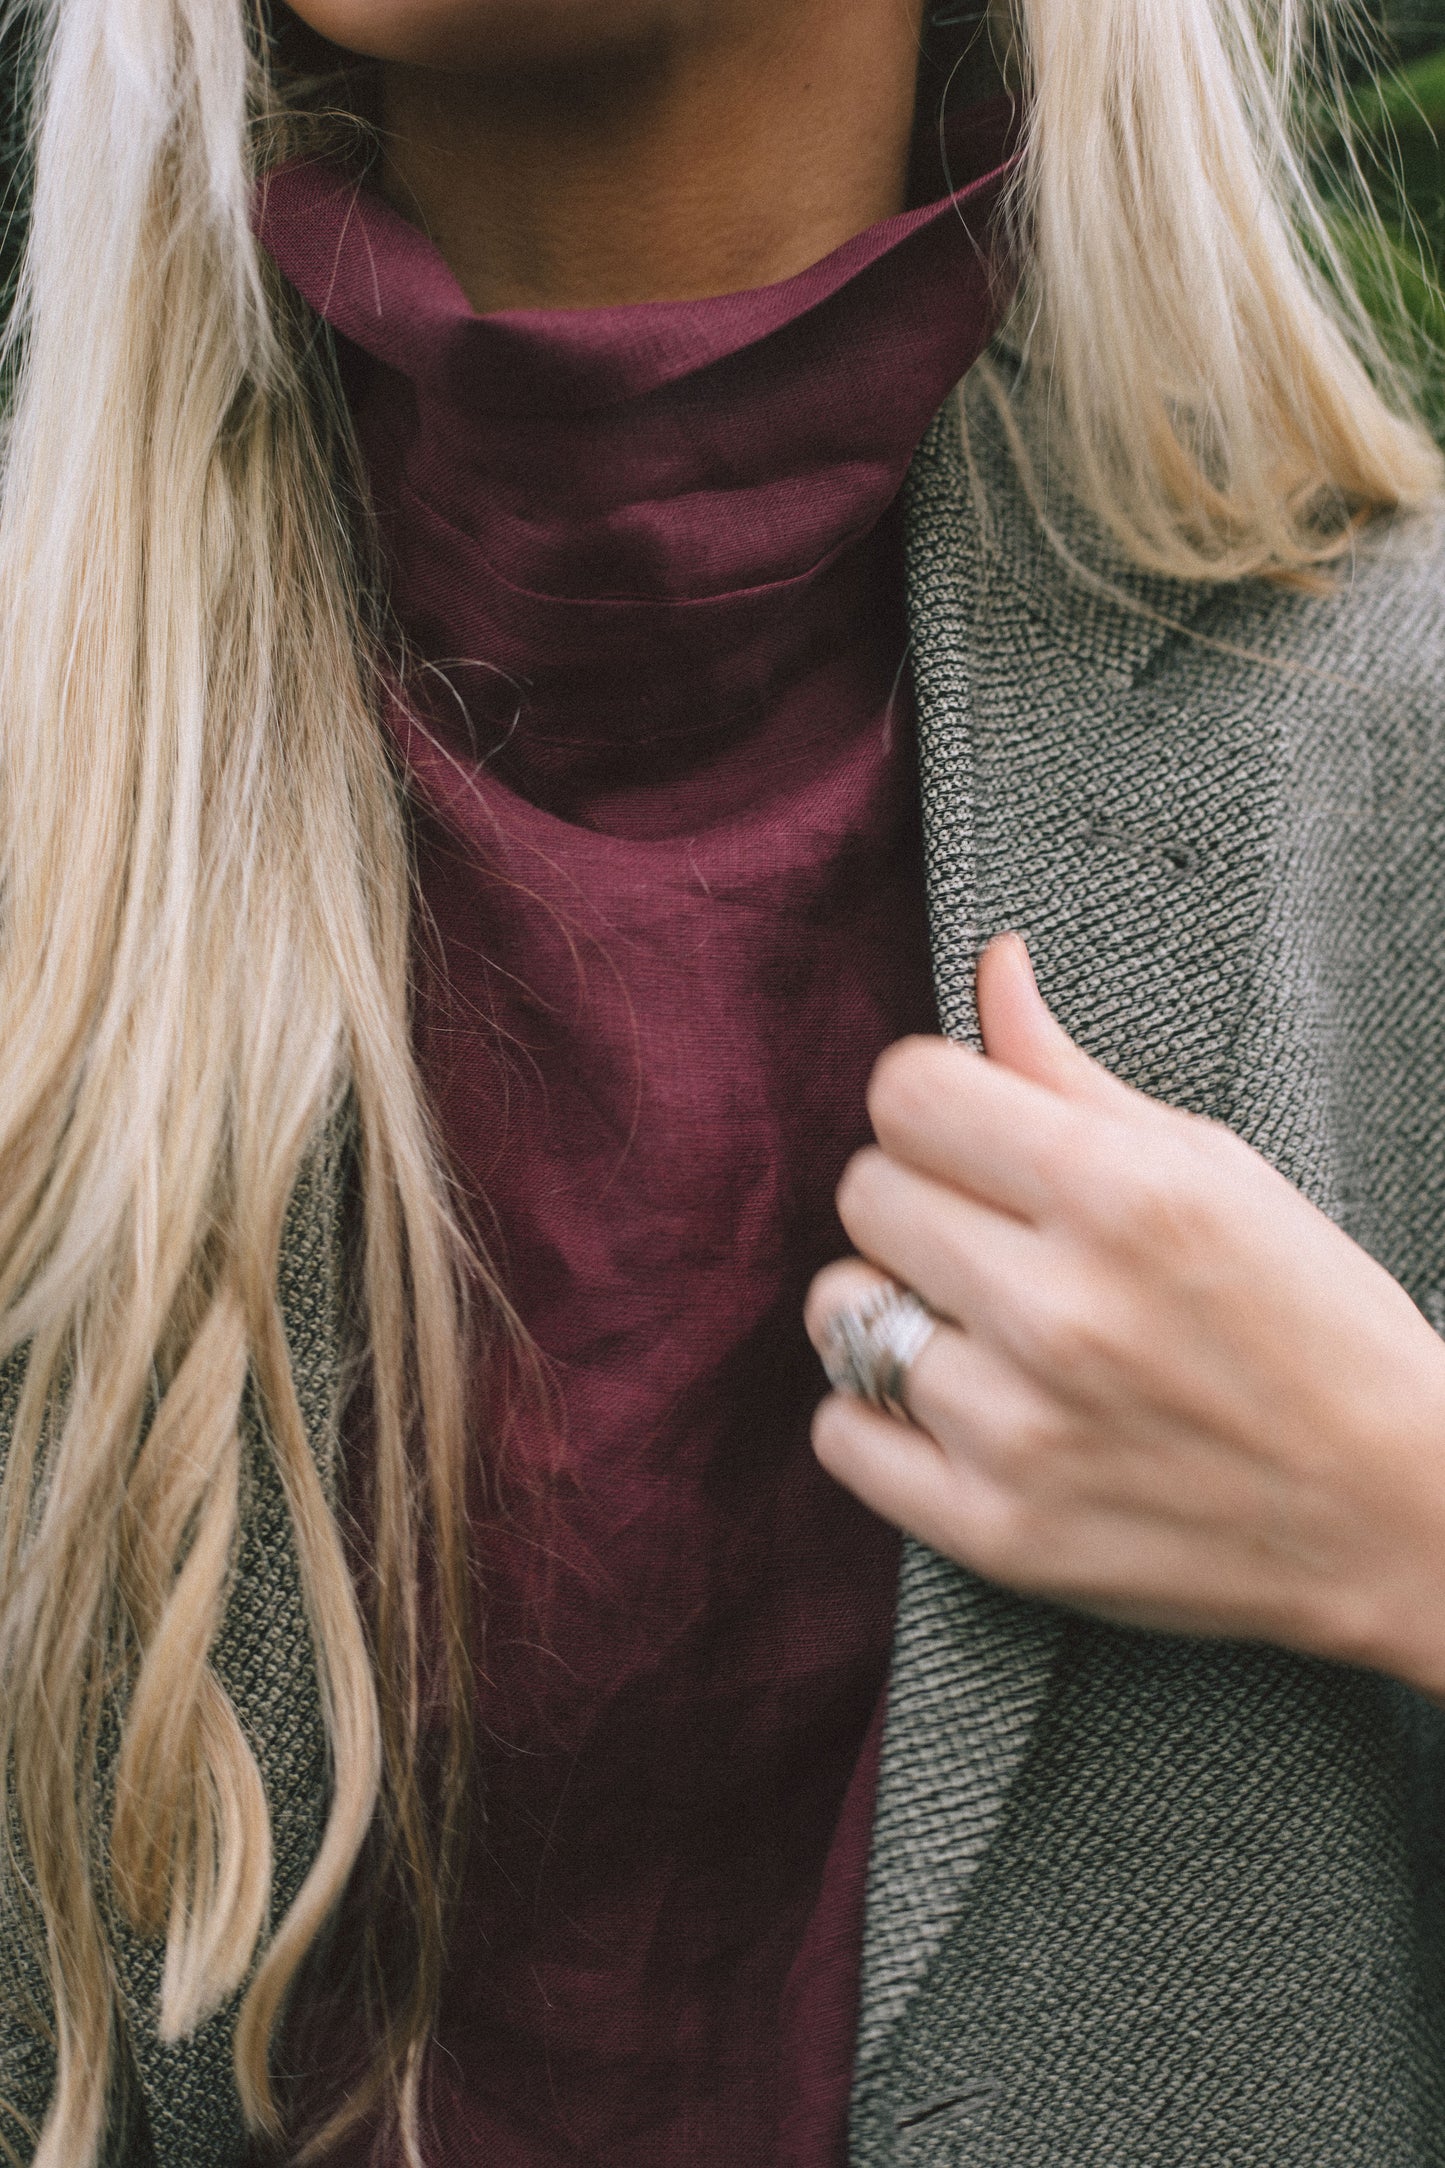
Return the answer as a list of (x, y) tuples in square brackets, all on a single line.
[(869, 1347)]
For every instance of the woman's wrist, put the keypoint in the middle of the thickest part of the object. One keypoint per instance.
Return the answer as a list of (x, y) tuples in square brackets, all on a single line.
[(1397, 1626)]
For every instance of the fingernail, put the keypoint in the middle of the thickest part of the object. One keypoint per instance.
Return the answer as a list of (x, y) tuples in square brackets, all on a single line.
[(1013, 941)]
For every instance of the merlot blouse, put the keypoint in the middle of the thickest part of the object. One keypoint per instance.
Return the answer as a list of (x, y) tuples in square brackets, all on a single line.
[(657, 741)]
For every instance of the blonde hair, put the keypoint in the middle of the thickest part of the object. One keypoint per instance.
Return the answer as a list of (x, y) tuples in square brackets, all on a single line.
[(205, 908), (1216, 395), (205, 896)]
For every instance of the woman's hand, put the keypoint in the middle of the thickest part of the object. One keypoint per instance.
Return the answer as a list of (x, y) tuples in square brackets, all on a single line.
[(1166, 1389)]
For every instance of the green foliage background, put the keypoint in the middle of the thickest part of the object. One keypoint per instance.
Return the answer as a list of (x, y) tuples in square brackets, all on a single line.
[(1399, 153)]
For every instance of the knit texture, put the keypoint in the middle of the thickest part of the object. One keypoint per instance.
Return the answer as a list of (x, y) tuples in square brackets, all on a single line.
[(1133, 1899), (177, 2106), (1135, 1902)]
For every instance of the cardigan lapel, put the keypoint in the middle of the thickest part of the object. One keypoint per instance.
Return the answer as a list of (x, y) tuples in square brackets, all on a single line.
[(970, 1663), (1052, 804)]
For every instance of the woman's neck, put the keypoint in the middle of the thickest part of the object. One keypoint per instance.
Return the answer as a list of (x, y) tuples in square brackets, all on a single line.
[(727, 155)]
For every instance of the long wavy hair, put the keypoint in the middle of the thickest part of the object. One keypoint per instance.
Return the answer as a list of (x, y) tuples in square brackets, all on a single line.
[(205, 899)]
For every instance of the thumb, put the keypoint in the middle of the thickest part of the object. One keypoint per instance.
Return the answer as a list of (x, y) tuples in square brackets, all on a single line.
[(1021, 1032)]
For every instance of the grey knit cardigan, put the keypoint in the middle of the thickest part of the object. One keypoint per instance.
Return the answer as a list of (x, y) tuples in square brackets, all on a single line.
[(1134, 1902)]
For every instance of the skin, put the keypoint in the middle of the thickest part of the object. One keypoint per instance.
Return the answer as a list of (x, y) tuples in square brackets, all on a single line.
[(570, 153), (1164, 1388)]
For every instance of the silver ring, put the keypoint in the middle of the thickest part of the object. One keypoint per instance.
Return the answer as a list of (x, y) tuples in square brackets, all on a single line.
[(869, 1348)]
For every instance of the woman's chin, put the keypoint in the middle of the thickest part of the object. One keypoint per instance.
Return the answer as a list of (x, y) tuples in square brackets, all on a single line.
[(493, 35)]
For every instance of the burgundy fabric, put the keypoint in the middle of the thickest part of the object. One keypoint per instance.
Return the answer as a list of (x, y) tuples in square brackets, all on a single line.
[(658, 739)]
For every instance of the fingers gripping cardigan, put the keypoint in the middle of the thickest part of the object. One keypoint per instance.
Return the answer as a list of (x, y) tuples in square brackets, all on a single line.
[(1133, 1900)]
